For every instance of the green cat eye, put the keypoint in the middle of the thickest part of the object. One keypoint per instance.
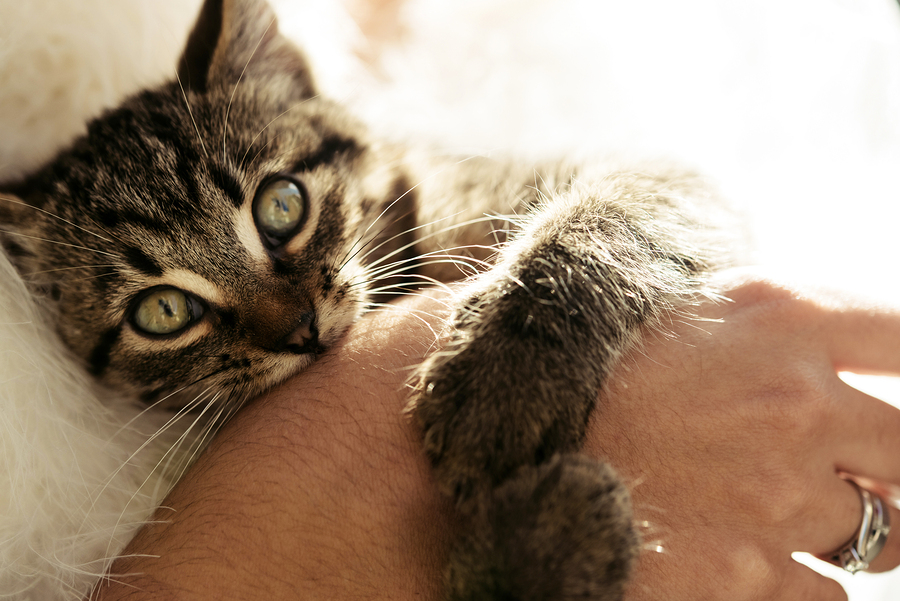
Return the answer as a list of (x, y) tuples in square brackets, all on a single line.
[(165, 310), (279, 209)]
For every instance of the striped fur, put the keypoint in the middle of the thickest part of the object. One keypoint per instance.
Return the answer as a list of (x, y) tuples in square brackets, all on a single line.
[(573, 262)]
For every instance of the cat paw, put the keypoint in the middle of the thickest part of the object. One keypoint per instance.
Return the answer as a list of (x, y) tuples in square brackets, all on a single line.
[(560, 531), (512, 386)]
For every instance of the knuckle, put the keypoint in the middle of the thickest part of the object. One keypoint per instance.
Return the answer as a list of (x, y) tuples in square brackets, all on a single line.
[(772, 304), (757, 291), (750, 574)]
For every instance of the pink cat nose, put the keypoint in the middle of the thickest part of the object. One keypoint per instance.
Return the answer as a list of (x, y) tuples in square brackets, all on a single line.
[(305, 337)]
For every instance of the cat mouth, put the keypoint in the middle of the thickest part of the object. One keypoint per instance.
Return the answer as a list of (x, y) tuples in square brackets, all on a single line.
[(312, 347)]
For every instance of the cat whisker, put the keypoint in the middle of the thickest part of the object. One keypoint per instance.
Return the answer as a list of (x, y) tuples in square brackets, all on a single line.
[(259, 152), (439, 256), (54, 216), (417, 240), (399, 198), (396, 291), (191, 114), (539, 189), (514, 221), (262, 131), (157, 403), (400, 273), (167, 456), (174, 452), (74, 592), (234, 91), (417, 313), (209, 429), (73, 267), (386, 209), (194, 440), (178, 415), (423, 279), (468, 266), (393, 253), (90, 277), (210, 425), (39, 239), (351, 254), (400, 289), (402, 293), (406, 286)]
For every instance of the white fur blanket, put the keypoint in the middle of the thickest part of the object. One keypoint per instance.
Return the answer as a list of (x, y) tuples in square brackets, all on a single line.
[(791, 104)]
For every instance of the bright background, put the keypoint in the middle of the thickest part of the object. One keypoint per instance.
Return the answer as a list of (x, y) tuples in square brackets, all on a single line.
[(793, 105)]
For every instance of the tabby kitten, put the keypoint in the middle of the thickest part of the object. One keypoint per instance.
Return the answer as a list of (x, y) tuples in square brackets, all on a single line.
[(212, 236)]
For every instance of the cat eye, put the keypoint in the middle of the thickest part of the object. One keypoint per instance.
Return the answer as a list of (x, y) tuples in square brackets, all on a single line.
[(279, 210), (165, 311)]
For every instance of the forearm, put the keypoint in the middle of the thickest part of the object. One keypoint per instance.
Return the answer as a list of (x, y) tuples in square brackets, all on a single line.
[(730, 435), (317, 488)]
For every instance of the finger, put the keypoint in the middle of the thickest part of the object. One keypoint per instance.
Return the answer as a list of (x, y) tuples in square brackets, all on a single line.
[(805, 584), (863, 338), (866, 435), (833, 519), (888, 558), (890, 492)]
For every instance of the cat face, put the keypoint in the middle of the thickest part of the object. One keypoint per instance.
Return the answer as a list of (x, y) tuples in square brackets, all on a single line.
[(204, 234)]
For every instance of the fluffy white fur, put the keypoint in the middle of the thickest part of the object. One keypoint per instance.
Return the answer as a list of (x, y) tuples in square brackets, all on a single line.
[(62, 62), (791, 103), (77, 475)]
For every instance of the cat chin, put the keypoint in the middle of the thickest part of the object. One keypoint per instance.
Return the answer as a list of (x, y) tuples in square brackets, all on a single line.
[(272, 373)]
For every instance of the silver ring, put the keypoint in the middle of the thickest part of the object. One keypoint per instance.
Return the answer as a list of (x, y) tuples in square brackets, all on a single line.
[(862, 549)]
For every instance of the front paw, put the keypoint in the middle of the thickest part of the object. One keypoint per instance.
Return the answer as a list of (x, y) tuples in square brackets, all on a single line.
[(559, 531), (511, 387)]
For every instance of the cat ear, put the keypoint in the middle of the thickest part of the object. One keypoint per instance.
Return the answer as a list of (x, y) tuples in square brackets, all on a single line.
[(236, 39)]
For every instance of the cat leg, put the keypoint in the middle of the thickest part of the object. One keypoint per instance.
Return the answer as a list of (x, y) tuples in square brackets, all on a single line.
[(524, 360)]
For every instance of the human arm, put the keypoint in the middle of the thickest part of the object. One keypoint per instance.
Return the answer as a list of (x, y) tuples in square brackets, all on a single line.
[(317, 490), (729, 435)]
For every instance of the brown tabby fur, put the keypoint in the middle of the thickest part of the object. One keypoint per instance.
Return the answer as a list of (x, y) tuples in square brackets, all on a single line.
[(159, 192)]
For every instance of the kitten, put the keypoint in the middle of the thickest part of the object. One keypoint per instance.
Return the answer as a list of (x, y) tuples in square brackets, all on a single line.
[(210, 237)]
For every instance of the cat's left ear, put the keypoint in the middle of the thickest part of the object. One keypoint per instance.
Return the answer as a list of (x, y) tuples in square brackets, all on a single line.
[(235, 39)]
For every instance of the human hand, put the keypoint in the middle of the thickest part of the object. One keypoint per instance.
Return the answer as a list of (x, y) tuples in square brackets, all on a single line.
[(731, 436)]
